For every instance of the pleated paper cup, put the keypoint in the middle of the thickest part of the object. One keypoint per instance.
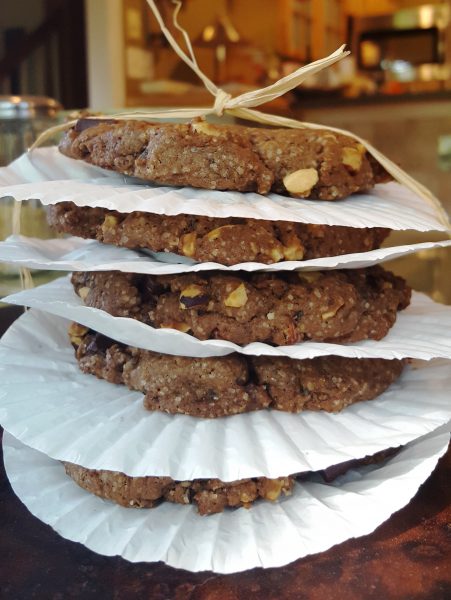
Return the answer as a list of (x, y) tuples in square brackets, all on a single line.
[(75, 254), (420, 331), (46, 175), (316, 517), (49, 404)]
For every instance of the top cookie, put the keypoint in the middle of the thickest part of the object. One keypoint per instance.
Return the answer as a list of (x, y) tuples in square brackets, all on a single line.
[(303, 163)]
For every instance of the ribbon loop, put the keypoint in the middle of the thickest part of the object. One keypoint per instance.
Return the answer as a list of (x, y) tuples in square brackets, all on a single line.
[(221, 100)]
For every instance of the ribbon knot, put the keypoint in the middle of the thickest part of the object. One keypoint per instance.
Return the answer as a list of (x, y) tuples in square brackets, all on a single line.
[(221, 100)]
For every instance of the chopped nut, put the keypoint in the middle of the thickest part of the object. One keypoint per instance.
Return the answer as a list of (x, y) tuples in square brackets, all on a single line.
[(352, 157), (192, 296), (277, 253), (329, 314), (244, 497), (270, 316), (215, 233), (76, 333), (188, 244), (183, 327), (301, 182), (110, 222), (273, 489), (294, 250), (309, 276), (237, 298), (83, 292), (206, 128)]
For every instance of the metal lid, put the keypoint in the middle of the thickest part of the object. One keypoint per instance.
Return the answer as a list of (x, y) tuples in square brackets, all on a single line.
[(28, 107)]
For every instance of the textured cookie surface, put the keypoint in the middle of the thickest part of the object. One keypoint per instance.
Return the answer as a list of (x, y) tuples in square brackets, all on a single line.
[(276, 308), (210, 495), (227, 385), (305, 163), (226, 241)]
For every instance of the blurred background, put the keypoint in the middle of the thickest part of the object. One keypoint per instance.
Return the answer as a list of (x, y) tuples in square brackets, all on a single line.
[(394, 89)]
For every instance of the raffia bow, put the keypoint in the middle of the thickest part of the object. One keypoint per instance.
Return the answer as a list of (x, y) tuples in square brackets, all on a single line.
[(242, 107)]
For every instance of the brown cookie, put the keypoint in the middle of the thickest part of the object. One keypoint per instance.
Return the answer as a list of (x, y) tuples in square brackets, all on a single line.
[(276, 308), (305, 163), (210, 495), (220, 386), (225, 241)]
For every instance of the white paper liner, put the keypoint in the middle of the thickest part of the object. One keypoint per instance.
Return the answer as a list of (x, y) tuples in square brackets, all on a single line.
[(76, 254), (49, 404), (420, 331), (46, 164), (388, 205), (316, 517)]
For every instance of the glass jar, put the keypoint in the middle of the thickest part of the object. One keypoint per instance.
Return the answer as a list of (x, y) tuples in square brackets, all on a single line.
[(22, 119)]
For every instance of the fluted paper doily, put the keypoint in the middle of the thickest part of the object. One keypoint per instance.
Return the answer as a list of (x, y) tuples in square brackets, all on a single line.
[(313, 519), (47, 403)]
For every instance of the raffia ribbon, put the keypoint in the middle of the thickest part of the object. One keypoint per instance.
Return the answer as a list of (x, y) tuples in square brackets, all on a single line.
[(242, 107)]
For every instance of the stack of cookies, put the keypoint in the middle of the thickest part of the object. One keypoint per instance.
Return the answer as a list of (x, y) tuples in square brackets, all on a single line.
[(253, 314), (277, 309)]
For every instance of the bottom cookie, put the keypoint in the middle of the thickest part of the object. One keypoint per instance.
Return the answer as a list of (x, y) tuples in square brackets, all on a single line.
[(221, 386), (315, 517), (209, 495)]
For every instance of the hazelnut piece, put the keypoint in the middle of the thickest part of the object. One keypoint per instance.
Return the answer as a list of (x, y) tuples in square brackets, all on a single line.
[(83, 292), (294, 250), (277, 254), (188, 244), (352, 157), (110, 222), (329, 314), (301, 182), (206, 128), (214, 234), (273, 489), (76, 333), (309, 276), (237, 298)]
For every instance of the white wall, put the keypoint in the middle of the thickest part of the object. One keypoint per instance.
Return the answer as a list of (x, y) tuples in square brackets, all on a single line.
[(105, 52)]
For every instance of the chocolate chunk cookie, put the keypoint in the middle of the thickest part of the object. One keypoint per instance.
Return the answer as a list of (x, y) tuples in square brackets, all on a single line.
[(226, 241), (227, 385), (276, 308), (303, 163)]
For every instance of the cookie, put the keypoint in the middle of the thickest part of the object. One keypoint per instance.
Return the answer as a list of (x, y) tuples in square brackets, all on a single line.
[(221, 386), (304, 163), (226, 241), (275, 308), (209, 495)]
